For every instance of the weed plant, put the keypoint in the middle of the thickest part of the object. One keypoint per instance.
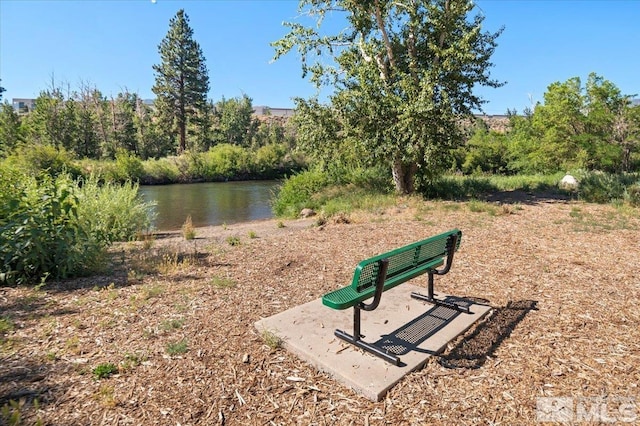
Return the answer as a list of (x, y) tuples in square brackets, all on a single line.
[(597, 187), (11, 412), (173, 324), (233, 241), (177, 348), (104, 370), (222, 282), (271, 339), (188, 231)]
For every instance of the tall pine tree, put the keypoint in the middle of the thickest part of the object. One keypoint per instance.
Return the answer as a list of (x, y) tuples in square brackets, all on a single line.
[(182, 79)]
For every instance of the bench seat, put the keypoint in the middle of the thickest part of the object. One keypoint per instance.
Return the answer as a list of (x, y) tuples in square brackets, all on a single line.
[(374, 276), (347, 297)]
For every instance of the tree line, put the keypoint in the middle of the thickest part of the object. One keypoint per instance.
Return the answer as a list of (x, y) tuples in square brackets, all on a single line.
[(88, 124), (588, 126)]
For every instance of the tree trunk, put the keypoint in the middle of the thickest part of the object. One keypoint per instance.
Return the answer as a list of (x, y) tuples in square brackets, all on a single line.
[(182, 119), (626, 157), (403, 176), (183, 138)]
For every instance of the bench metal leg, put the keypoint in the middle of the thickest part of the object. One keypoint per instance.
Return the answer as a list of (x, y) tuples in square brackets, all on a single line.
[(431, 299), (357, 341)]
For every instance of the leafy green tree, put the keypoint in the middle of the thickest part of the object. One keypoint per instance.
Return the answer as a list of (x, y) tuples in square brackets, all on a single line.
[(626, 134), (487, 153), (123, 124), (605, 105), (87, 144), (272, 130), (404, 75), (320, 133), (182, 80), (576, 126), (2, 90), (154, 143), (560, 121), (10, 129), (200, 130), (522, 140), (94, 123), (235, 121), (53, 121)]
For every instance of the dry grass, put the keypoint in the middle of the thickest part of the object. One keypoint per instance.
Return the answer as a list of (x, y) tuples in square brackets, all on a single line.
[(578, 265)]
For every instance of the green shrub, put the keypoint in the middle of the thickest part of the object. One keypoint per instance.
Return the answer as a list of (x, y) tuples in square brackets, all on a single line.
[(102, 170), (104, 370), (197, 169), (128, 167), (632, 195), (597, 187), (297, 191), (40, 233), (486, 153), (226, 161), (113, 212), (371, 178), (160, 171), (52, 227), (269, 158), (36, 159)]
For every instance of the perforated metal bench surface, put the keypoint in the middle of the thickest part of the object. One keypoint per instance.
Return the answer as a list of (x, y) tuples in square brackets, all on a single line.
[(378, 274), (404, 264)]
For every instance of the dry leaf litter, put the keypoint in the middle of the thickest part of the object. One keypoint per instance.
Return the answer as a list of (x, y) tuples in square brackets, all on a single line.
[(176, 318)]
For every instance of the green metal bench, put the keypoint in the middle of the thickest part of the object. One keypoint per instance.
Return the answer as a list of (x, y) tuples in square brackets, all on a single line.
[(380, 273)]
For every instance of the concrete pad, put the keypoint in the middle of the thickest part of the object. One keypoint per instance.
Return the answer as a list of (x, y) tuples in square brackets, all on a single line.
[(412, 329)]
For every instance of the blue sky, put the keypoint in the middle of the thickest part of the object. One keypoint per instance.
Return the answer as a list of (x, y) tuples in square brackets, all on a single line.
[(112, 45)]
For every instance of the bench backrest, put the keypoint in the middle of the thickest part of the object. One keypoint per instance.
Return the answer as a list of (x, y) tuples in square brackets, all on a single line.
[(405, 262)]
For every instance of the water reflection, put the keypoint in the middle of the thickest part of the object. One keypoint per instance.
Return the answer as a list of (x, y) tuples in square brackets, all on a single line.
[(212, 203)]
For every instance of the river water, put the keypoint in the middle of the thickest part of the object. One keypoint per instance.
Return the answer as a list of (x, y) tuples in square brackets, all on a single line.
[(211, 203)]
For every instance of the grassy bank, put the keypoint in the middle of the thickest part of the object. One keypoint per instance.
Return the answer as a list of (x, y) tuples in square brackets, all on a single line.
[(221, 163), (367, 189)]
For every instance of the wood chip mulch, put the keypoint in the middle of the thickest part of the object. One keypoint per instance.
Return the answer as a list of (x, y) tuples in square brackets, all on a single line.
[(176, 319)]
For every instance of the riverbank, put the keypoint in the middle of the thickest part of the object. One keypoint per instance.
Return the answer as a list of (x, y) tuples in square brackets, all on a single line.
[(175, 318)]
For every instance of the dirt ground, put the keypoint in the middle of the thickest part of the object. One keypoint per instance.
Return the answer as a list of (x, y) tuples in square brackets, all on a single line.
[(169, 325)]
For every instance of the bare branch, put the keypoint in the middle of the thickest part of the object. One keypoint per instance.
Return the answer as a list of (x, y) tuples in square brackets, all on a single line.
[(385, 36), (447, 8)]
